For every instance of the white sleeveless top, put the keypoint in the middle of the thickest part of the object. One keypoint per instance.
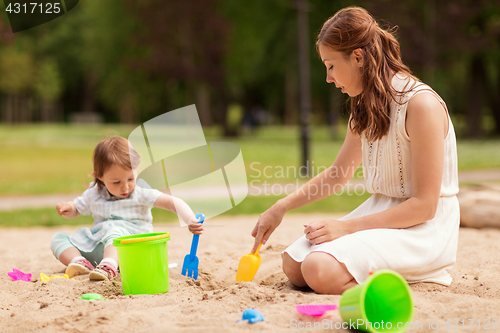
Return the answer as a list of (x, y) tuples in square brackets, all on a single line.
[(386, 162), (422, 253)]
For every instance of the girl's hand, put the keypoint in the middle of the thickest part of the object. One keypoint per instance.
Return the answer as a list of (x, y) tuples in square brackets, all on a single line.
[(64, 209), (179, 207), (196, 228), (319, 232), (267, 223)]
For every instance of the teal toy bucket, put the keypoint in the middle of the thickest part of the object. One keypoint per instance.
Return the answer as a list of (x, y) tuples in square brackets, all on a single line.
[(143, 263), (383, 303)]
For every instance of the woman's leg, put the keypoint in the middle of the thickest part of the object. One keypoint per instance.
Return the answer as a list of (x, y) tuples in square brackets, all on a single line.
[(325, 275), (291, 268)]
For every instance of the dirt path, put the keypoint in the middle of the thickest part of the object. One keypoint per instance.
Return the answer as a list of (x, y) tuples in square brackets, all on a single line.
[(49, 200)]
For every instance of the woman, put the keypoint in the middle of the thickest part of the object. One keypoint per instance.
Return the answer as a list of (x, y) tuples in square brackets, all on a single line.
[(401, 131)]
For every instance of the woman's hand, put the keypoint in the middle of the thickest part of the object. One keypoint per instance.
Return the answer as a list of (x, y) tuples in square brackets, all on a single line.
[(318, 232), (267, 223)]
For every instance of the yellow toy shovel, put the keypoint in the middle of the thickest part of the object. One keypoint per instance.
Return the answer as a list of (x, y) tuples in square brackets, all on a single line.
[(45, 278), (248, 266)]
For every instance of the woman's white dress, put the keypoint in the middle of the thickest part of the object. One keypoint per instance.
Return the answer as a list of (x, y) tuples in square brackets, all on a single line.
[(424, 252)]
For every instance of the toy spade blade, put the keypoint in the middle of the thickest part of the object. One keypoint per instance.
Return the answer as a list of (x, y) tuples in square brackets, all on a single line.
[(190, 264), (248, 266)]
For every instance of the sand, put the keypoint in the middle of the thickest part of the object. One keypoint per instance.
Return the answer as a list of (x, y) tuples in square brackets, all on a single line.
[(215, 302)]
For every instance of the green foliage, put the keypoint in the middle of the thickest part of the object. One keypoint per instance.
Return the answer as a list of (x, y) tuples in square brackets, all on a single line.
[(58, 158), (63, 41), (478, 154), (45, 159), (17, 70), (234, 115), (342, 203), (141, 58), (48, 83), (42, 170), (108, 49), (256, 30), (41, 217)]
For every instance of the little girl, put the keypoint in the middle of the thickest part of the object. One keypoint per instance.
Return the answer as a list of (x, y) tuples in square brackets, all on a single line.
[(119, 208), (401, 131)]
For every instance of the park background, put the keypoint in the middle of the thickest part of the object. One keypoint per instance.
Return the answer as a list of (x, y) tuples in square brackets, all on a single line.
[(107, 66)]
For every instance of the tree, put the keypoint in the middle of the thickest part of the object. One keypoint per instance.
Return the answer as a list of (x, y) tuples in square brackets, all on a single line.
[(18, 70), (48, 88), (450, 44), (186, 41)]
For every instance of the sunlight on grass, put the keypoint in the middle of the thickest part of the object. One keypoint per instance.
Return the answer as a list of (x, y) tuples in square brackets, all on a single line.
[(478, 154), (252, 205), (45, 159)]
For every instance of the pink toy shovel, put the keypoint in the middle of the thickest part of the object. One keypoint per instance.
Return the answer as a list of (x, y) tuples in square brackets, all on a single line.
[(315, 310)]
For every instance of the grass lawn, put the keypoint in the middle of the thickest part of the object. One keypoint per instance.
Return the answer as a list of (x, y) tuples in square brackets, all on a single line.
[(251, 205), (44, 159)]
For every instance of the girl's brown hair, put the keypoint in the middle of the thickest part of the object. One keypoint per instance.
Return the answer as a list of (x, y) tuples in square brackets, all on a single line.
[(352, 28), (111, 151)]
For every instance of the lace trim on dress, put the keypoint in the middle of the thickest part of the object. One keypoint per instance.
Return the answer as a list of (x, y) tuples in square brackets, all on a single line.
[(400, 158), (370, 151), (369, 169), (379, 166)]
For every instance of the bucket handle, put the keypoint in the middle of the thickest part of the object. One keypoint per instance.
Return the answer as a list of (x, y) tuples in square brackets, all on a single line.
[(145, 239)]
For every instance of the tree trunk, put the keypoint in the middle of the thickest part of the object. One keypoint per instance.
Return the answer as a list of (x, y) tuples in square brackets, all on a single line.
[(48, 111), (127, 109), (305, 91), (476, 97), (28, 107), (9, 112), (17, 109), (89, 100), (291, 98), (3, 108), (222, 105), (430, 28), (23, 109), (494, 102), (203, 104)]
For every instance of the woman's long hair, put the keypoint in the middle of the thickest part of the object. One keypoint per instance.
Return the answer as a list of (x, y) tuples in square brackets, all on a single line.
[(352, 28)]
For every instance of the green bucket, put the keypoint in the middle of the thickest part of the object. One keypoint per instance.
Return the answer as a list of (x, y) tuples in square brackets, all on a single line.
[(383, 303), (143, 263)]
